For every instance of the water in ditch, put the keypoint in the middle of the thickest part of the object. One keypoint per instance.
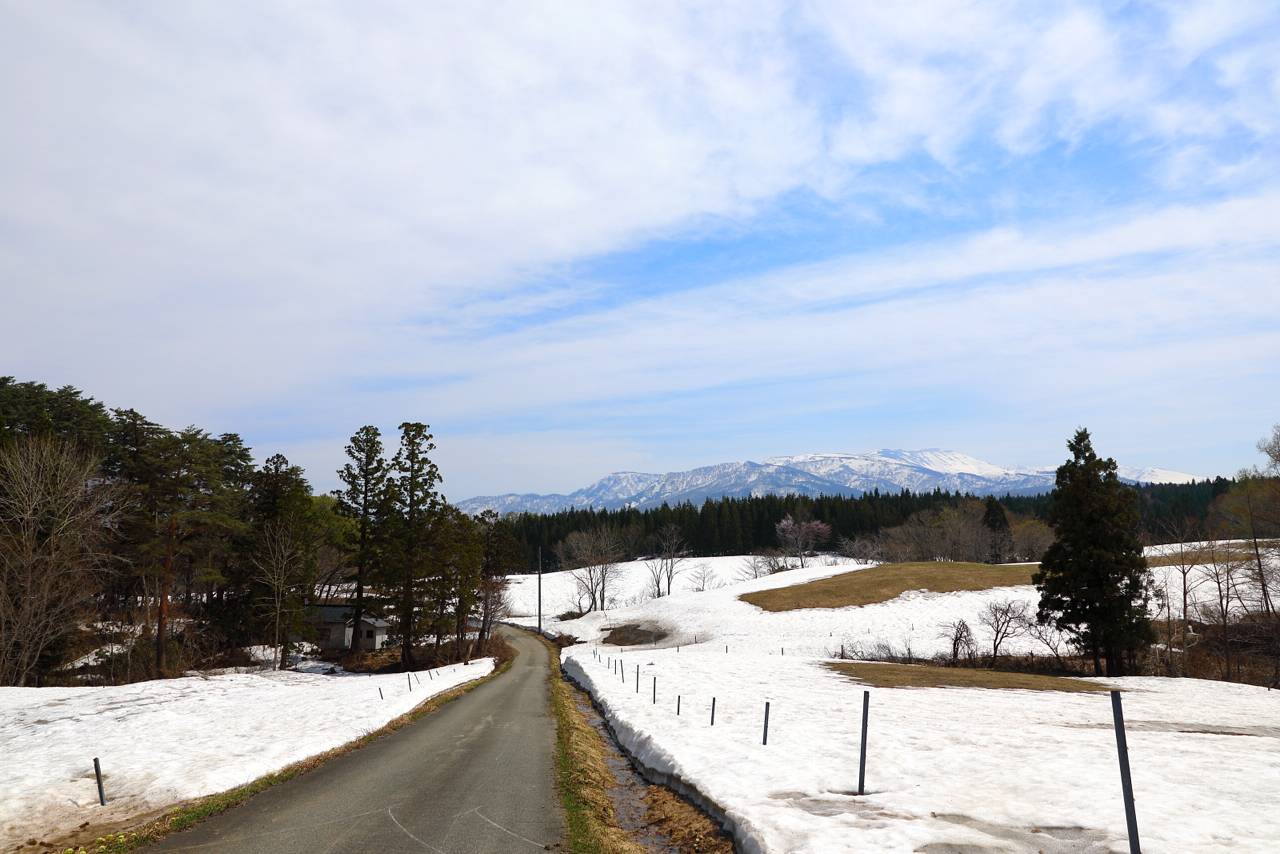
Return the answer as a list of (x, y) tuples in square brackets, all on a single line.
[(629, 795)]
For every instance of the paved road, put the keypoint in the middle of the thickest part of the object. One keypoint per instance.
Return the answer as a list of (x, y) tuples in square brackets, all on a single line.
[(474, 777)]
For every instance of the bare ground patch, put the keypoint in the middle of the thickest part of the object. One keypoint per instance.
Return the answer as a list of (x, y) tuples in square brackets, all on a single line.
[(883, 675), (889, 581)]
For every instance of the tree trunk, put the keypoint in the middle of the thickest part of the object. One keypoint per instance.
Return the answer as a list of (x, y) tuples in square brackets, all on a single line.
[(162, 609)]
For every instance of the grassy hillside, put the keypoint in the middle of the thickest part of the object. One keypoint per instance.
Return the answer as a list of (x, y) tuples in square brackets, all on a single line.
[(888, 581)]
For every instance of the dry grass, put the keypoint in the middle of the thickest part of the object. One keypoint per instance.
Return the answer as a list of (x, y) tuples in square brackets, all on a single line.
[(888, 581), (687, 827), (583, 775), (928, 676), (585, 781)]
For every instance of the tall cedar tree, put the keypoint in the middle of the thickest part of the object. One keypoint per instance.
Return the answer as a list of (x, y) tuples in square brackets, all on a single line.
[(365, 478), (418, 504), (1094, 583)]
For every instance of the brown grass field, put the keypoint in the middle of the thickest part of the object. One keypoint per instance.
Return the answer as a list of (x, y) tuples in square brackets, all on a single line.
[(888, 581), (886, 675)]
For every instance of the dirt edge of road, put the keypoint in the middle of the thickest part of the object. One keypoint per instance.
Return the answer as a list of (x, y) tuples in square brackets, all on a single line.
[(585, 780), (129, 835)]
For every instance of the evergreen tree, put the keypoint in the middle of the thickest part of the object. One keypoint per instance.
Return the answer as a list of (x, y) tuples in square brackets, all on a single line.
[(997, 525), (364, 479), (417, 503), (1094, 584)]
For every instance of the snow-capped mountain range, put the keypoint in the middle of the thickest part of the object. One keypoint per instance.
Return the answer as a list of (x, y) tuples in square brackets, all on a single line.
[(803, 474)]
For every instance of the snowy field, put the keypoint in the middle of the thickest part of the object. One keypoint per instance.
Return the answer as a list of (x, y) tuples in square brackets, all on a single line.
[(948, 769), (912, 619), (910, 622), (633, 581), (170, 740)]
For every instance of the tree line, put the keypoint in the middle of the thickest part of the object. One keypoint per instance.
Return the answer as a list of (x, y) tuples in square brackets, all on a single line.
[(167, 549), (722, 526)]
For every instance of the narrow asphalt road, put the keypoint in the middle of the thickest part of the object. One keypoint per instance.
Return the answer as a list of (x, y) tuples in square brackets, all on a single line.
[(474, 777)]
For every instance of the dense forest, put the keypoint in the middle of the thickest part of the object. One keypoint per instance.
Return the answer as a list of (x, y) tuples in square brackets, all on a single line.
[(157, 550), (744, 525)]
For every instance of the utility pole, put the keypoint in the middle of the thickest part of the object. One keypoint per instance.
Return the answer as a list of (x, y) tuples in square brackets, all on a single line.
[(539, 589)]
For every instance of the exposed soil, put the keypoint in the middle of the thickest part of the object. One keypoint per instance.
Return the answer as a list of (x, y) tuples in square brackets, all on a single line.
[(634, 634)]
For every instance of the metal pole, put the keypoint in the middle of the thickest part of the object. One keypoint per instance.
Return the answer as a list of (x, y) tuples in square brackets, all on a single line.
[(655, 690), (97, 772), (637, 679), (539, 589), (380, 697), (713, 711), (765, 740), (677, 705), (409, 679), (862, 752), (1126, 781)]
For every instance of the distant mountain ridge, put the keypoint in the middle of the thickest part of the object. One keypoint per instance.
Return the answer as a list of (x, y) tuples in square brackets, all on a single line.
[(802, 474)]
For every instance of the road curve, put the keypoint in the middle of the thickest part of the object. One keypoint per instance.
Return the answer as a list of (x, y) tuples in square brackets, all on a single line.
[(474, 777)]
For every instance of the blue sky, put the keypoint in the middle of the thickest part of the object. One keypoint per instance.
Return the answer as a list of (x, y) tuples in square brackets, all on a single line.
[(577, 238)]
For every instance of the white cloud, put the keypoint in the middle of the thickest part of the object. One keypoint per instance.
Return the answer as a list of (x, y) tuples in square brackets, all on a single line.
[(234, 214)]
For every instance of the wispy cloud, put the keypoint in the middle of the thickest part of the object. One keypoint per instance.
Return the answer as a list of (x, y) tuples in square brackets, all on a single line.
[(292, 219)]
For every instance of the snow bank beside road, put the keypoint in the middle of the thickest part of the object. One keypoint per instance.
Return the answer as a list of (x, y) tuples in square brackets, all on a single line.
[(169, 740), (993, 769)]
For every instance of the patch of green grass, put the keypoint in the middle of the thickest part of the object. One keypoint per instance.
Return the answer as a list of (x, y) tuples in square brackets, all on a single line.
[(888, 581), (885, 675)]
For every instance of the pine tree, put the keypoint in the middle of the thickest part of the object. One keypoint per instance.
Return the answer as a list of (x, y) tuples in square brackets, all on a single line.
[(1094, 583), (364, 477)]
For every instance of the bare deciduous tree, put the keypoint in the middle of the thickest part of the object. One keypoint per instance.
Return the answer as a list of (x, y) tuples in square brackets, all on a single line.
[(1047, 635), (593, 556), (960, 637), (799, 538), (672, 552), (1221, 571), (703, 578), (753, 567), (55, 519), (1005, 619), (280, 561)]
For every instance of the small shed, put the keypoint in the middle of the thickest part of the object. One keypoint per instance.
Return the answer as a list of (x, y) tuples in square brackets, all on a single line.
[(329, 626), (373, 632)]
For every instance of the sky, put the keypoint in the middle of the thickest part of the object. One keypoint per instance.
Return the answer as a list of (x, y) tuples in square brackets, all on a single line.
[(576, 238)]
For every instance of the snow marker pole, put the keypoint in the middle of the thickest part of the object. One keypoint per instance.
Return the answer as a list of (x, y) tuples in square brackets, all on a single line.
[(677, 705), (713, 711), (637, 679), (655, 690), (417, 678), (765, 740), (97, 772), (380, 697), (1126, 781), (862, 752), (409, 679)]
